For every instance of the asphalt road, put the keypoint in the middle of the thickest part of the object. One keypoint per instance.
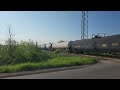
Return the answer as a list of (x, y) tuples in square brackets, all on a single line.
[(103, 70)]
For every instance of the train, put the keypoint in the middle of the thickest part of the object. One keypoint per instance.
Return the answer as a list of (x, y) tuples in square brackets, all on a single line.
[(108, 44)]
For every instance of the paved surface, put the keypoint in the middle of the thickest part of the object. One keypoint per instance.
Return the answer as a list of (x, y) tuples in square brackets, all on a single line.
[(103, 70)]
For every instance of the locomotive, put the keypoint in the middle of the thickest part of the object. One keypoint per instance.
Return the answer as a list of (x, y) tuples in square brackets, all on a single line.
[(98, 44)]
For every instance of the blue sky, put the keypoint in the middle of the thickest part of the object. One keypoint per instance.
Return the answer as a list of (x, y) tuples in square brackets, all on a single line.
[(51, 26)]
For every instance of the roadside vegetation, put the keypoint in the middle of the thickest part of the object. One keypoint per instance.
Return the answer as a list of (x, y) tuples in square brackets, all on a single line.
[(53, 62), (27, 55)]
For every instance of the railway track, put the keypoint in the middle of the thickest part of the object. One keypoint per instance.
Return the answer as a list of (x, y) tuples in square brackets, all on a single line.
[(98, 58), (103, 58)]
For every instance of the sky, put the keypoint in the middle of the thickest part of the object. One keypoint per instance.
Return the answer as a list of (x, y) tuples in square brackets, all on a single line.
[(52, 26)]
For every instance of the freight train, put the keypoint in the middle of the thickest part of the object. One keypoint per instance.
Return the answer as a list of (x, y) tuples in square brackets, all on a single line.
[(107, 44)]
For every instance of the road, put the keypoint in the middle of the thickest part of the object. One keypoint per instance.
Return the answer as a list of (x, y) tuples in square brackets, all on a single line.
[(103, 70)]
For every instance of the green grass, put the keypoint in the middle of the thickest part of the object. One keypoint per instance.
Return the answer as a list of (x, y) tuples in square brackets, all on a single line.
[(58, 61)]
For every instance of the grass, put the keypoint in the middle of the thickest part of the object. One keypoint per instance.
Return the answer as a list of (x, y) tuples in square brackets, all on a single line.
[(58, 61)]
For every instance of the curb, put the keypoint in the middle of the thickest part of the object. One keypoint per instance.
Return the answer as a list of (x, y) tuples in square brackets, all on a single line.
[(4, 75)]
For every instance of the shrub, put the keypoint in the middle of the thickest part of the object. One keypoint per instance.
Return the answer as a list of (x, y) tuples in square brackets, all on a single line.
[(21, 52)]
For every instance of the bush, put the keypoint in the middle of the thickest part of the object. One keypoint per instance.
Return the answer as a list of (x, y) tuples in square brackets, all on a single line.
[(57, 51), (21, 52)]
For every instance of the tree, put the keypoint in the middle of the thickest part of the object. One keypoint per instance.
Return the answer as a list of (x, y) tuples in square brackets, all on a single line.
[(10, 43)]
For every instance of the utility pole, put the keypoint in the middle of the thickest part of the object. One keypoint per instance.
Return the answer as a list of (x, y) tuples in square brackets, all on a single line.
[(84, 25)]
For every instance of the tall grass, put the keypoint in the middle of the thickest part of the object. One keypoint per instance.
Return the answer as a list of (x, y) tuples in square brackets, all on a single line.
[(51, 63)]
